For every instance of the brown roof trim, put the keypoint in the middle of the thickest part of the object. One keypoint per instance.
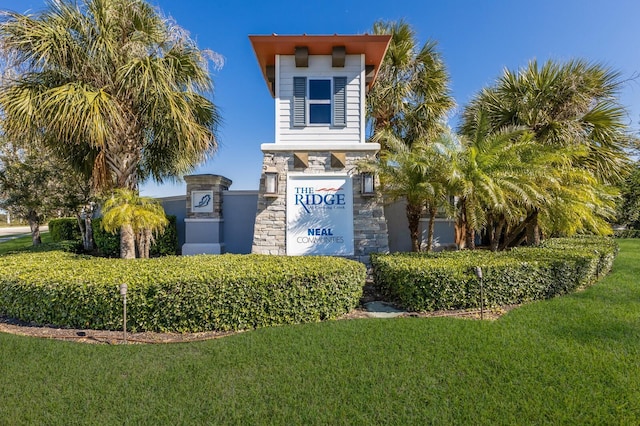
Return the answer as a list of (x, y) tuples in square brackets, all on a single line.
[(266, 47)]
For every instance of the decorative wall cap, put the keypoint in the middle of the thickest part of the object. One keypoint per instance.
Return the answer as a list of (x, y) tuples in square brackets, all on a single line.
[(208, 179), (316, 147)]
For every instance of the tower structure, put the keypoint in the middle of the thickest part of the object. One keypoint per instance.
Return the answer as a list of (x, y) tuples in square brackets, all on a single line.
[(313, 200)]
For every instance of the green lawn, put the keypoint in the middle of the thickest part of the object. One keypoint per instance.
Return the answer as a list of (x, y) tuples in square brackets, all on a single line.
[(570, 360), (21, 242)]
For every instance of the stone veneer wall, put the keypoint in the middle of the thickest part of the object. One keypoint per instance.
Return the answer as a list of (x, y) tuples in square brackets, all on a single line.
[(207, 182), (369, 227)]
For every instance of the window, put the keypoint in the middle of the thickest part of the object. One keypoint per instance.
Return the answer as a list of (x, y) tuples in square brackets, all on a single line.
[(319, 101)]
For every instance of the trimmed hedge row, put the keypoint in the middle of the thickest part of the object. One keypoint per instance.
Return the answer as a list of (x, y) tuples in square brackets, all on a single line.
[(64, 229), (446, 280), (177, 294), (627, 233)]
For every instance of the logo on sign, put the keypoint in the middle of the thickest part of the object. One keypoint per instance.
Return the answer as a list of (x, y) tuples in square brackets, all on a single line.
[(204, 201), (324, 198)]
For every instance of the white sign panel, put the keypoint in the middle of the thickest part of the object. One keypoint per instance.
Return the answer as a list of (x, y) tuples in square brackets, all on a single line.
[(319, 215), (202, 201)]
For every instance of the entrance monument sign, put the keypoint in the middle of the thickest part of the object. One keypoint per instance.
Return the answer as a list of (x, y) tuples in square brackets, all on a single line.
[(319, 215)]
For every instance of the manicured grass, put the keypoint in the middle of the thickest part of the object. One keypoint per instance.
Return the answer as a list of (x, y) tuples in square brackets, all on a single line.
[(570, 360), (21, 242)]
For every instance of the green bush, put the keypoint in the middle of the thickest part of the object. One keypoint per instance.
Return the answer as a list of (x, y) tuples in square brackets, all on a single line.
[(180, 294), (108, 244), (447, 280), (64, 229), (627, 233), (68, 246), (166, 244)]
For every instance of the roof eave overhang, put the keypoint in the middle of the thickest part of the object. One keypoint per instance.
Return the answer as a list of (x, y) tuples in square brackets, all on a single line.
[(266, 47)]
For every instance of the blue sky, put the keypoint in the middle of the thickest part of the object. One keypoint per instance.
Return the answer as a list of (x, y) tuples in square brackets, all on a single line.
[(477, 39)]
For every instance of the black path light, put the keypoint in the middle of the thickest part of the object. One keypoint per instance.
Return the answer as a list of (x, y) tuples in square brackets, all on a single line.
[(123, 292), (478, 271)]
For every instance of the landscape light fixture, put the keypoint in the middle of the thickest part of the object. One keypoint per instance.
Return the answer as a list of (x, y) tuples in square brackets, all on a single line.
[(123, 293), (271, 182), (368, 184)]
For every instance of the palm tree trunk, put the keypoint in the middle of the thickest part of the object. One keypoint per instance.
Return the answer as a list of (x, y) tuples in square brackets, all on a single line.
[(144, 243), (432, 223), (147, 243), (414, 213), (127, 243), (461, 226), (516, 232), (533, 230), (34, 224), (460, 230), (470, 238), (468, 234), (140, 244), (123, 161)]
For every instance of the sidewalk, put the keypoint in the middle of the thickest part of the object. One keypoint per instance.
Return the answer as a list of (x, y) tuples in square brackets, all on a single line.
[(12, 232)]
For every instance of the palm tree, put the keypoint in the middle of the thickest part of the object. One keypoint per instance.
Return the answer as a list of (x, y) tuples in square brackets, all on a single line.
[(579, 203), (409, 79), (408, 106), (569, 108), (419, 173), (140, 217), (115, 81), (494, 183), (574, 103)]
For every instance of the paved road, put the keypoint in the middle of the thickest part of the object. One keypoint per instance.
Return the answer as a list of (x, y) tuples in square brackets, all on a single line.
[(9, 232)]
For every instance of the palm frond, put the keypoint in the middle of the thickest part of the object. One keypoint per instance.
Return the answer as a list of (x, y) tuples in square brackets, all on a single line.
[(114, 76)]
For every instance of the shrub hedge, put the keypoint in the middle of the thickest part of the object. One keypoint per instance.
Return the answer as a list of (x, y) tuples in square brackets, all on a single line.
[(64, 229), (627, 233), (177, 294), (166, 244), (108, 244), (447, 280)]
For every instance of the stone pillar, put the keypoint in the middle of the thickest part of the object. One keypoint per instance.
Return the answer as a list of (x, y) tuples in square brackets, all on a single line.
[(269, 232), (203, 222), (369, 224)]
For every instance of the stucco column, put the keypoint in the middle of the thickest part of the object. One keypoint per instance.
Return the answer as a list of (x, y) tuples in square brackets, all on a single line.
[(203, 222)]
